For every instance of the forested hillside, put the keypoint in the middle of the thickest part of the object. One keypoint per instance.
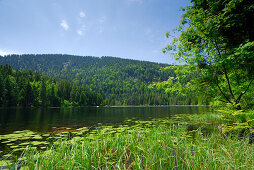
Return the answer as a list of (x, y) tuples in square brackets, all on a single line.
[(119, 81), (27, 88)]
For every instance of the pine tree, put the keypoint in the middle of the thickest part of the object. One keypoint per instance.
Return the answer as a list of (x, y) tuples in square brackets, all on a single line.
[(43, 95), (1, 90), (28, 95), (9, 97)]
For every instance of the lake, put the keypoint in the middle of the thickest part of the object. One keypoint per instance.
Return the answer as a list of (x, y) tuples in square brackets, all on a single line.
[(43, 119), (38, 127)]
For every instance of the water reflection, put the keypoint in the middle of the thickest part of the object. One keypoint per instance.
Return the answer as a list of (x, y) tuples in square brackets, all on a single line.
[(43, 119)]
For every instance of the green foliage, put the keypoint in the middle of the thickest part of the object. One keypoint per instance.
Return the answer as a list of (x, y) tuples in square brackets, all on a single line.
[(182, 84), (27, 88), (217, 38), (237, 120)]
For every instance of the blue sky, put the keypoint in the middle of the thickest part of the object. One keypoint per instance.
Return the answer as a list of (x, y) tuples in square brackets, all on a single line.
[(132, 29)]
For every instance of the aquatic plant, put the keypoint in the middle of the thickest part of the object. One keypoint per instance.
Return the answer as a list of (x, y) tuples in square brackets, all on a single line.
[(159, 147)]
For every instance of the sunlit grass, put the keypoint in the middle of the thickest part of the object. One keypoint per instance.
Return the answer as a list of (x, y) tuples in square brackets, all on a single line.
[(159, 147), (154, 144)]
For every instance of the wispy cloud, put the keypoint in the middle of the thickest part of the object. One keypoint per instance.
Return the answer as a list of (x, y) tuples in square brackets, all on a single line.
[(81, 24), (149, 34), (148, 31), (134, 1), (102, 21), (82, 14), (80, 32), (64, 25)]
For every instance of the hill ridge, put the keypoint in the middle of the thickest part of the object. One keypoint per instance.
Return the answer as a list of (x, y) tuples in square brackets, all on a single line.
[(119, 81)]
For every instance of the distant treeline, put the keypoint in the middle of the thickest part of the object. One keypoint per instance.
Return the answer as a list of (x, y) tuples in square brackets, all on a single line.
[(28, 88), (119, 81)]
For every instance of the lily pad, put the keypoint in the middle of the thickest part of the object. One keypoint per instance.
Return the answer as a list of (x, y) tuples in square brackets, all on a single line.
[(15, 146), (37, 143), (25, 143), (46, 135), (37, 137), (5, 162), (22, 158), (18, 149), (83, 129), (7, 155), (7, 141), (10, 144)]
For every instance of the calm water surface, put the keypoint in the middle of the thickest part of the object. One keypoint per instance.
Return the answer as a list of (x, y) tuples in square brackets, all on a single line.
[(43, 119)]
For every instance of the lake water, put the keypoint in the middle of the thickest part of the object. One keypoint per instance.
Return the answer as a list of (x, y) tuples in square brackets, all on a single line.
[(40, 127), (44, 119)]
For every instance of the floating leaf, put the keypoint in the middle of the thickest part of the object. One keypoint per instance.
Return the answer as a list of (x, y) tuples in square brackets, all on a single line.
[(22, 158), (5, 163), (46, 135), (37, 137), (7, 141), (8, 155), (18, 149), (15, 146), (25, 143), (39, 143)]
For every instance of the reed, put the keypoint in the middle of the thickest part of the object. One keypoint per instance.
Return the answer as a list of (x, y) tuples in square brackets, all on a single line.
[(156, 147)]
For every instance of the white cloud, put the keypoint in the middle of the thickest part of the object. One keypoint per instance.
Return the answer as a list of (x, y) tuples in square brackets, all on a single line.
[(82, 14), (80, 32), (4, 53), (64, 25)]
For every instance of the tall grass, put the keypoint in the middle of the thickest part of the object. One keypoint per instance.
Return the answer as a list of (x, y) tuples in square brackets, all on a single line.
[(159, 147)]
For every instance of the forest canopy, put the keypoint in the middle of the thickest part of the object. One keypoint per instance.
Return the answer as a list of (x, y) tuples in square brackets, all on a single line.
[(118, 81), (28, 88)]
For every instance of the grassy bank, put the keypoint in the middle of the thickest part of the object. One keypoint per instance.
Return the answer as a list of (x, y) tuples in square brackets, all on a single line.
[(157, 147)]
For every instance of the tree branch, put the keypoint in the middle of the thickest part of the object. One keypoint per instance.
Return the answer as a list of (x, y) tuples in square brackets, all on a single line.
[(229, 86), (240, 96), (222, 93), (225, 72), (213, 97)]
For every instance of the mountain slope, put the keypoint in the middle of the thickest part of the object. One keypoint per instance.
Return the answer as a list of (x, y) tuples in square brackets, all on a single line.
[(119, 81)]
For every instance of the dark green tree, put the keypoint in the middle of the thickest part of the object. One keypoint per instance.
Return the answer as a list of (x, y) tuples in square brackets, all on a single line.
[(82, 99), (43, 94), (217, 39), (9, 94), (28, 95), (1, 90)]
